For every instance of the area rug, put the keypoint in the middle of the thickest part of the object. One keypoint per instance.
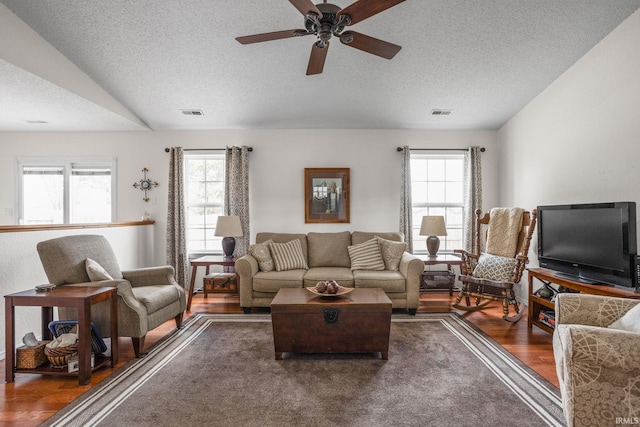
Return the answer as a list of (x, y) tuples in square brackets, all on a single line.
[(220, 370)]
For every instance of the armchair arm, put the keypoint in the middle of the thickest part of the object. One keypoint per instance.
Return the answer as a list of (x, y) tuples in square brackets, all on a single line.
[(151, 276), (592, 310), (599, 347), (469, 261)]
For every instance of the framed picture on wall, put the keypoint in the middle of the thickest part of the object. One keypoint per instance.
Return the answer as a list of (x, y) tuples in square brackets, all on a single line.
[(326, 195)]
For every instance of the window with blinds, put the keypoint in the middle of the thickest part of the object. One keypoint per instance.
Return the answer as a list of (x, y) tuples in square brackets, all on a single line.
[(65, 192)]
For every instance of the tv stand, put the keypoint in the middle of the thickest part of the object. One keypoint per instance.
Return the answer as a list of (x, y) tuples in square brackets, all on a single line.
[(549, 277)]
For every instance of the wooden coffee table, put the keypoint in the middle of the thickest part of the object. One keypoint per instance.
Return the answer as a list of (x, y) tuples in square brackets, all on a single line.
[(358, 322)]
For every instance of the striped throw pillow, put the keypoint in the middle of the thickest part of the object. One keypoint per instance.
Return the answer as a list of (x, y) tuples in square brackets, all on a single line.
[(366, 256), (288, 256)]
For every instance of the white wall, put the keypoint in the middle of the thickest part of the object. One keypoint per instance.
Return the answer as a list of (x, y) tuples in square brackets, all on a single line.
[(579, 140), (276, 170)]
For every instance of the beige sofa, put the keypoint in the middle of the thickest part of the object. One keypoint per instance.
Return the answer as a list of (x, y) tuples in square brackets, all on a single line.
[(327, 257)]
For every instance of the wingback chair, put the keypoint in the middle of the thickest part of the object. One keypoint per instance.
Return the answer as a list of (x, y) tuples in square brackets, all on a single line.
[(147, 297), (598, 365)]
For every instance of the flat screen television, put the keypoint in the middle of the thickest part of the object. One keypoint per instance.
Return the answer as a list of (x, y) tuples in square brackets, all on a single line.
[(592, 243)]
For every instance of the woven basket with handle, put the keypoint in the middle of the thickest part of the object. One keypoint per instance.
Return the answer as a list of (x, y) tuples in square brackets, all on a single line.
[(59, 357)]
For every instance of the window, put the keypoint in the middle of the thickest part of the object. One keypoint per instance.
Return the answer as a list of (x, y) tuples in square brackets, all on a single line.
[(437, 189), (204, 198), (63, 191)]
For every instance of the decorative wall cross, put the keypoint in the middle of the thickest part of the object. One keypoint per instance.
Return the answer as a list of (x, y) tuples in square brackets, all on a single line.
[(145, 184)]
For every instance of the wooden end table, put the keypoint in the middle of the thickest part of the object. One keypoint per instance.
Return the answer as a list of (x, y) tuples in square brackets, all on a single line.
[(358, 322), (206, 261), (80, 297), (446, 259)]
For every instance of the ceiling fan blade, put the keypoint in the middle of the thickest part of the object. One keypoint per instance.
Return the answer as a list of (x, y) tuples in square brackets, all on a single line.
[(306, 6), (276, 35), (363, 9), (370, 44), (317, 58)]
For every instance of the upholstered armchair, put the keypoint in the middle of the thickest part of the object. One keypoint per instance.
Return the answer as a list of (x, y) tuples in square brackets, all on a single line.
[(147, 297), (598, 367)]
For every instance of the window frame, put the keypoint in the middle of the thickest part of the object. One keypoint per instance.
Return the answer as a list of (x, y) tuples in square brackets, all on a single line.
[(202, 154), (66, 163), (416, 221)]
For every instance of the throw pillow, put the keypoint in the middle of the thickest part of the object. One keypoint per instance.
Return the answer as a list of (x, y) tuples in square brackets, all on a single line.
[(629, 322), (288, 256), (262, 254), (95, 271), (366, 256), (391, 252), (494, 267)]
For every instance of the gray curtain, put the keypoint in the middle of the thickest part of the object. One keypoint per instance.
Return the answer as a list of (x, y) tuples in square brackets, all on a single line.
[(406, 209), (236, 194), (176, 239), (472, 195)]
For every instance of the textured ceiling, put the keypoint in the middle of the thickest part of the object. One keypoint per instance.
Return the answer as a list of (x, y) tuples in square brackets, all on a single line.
[(133, 65)]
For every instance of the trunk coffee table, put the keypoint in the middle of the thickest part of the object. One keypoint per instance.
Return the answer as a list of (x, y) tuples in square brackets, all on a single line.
[(357, 322)]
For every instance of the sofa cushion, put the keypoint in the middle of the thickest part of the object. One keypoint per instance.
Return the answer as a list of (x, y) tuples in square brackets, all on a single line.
[(342, 275), (284, 238), (391, 252), (494, 267), (629, 322), (358, 237), (262, 254), (366, 256), (288, 256), (329, 249), (274, 280), (388, 281)]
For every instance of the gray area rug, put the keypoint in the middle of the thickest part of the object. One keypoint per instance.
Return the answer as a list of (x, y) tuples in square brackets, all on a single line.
[(219, 370)]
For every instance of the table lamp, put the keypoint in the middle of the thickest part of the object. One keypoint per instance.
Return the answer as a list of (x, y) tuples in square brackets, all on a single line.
[(433, 226), (228, 227)]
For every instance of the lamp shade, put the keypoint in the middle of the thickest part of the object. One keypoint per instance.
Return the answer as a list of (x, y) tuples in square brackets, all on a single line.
[(228, 226), (433, 226)]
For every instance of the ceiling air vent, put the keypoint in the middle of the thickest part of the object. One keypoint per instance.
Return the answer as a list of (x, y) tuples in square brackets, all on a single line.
[(36, 122), (192, 112), (440, 112)]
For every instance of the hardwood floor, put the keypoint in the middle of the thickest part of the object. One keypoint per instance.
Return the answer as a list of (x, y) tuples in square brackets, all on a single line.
[(31, 399)]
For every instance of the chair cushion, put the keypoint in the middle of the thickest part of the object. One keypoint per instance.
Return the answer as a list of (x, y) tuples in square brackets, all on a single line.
[(342, 275), (495, 267), (288, 256), (629, 322), (262, 254), (366, 256), (95, 271), (388, 281), (391, 252), (155, 297), (274, 280)]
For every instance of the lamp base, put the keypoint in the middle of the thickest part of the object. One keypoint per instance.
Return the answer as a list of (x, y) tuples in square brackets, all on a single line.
[(228, 246), (433, 244)]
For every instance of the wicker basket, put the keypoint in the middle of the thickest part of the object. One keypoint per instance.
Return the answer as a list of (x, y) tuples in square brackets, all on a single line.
[(59, 357), (31, 357)]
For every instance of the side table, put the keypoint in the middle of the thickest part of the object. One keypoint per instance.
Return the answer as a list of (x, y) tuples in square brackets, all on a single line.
[(80, 297), (447, 259), (205, 261)]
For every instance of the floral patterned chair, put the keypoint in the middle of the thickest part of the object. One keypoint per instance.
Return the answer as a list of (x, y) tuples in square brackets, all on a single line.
[(598, 365)]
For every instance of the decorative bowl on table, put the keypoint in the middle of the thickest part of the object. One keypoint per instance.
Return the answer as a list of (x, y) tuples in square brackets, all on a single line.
[(328, 288)]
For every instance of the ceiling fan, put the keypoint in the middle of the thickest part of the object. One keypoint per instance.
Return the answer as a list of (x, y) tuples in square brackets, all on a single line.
[(326, 20)]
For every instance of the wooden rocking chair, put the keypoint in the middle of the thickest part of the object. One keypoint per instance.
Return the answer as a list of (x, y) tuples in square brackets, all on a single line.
[(488, 276)]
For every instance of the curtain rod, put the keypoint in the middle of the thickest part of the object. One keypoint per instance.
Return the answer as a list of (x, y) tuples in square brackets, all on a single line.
[(482, 149), (166, 150)]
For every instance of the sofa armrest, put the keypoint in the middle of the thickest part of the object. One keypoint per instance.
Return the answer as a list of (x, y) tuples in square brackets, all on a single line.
[(246, 267), (411, 267), (592, 310), (151, 276)]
